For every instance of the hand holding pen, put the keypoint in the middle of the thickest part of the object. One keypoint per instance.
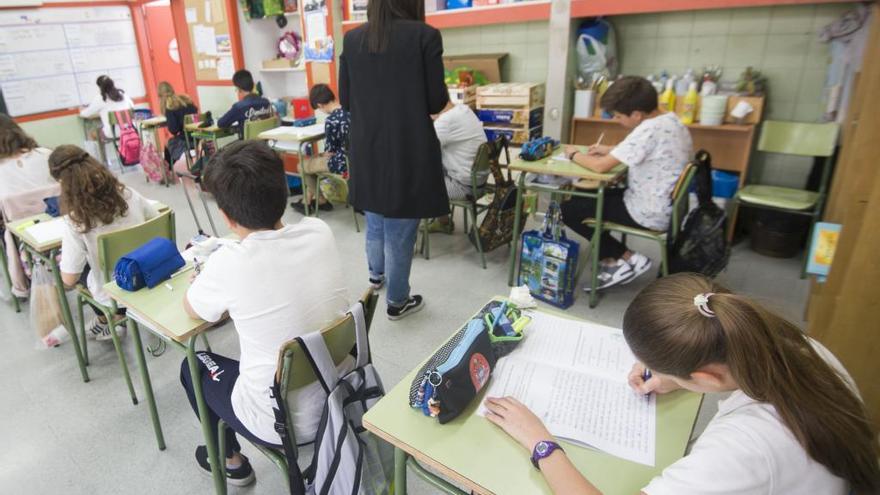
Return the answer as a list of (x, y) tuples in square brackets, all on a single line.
[(643, 381)]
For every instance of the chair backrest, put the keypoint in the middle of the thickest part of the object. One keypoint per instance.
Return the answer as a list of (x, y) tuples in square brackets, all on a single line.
[(294, 371), (680, 195), (480, 167), (798, 138), (116, 244), (194, 117), (253, 128)]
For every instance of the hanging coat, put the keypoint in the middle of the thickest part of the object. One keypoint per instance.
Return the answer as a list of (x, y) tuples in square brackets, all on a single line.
[(396, 170)]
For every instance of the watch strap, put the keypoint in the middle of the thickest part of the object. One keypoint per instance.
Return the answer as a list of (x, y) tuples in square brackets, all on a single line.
[(543, 450)]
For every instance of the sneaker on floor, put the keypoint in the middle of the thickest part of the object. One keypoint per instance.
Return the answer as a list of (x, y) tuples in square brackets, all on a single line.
[(639, 264), (298, 207), (240, 476), (611, 275), (105, 334), (377, 284), (325, 206), (435, 227), (96, 329), (412, 305)]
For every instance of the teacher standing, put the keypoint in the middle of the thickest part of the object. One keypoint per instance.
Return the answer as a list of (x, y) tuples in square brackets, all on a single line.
[(391, 81)]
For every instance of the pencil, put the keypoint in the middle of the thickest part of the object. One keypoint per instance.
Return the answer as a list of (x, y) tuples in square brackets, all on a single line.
[(599, 141)]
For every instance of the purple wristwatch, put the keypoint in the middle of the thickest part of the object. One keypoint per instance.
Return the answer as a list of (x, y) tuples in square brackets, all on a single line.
[(542, 450)]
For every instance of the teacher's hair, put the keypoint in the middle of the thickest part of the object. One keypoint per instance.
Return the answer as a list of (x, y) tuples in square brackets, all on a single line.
[(90, 194), (108, 88), (13, 140), (380, 15), (770, 358)]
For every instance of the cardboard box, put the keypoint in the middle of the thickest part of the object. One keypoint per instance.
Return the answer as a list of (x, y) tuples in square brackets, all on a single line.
[(462, 95), (530, 118), (279, 63), (489, 64), (514, 135), (511, 95)]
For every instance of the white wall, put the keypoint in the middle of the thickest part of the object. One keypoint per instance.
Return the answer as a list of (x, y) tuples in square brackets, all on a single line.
[(258, 39)]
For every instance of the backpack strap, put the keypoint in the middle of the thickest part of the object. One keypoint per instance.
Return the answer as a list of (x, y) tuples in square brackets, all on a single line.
[(122, 117), (295, 480), (319, 357), (360, 330)]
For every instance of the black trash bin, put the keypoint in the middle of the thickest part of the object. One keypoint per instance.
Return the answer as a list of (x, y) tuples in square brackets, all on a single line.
[(777, 233)]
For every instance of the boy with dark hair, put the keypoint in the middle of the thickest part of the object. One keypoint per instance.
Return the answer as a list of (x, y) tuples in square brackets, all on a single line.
[(655, 152), (250, 106), (264, 295), (333, 159)]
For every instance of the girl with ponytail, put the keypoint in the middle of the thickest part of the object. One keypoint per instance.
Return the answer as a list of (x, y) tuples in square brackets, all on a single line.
[(109, 99), (93, 202), (793, 422)]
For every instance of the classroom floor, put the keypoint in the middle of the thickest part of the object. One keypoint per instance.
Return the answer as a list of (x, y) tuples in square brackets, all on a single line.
[(63, 436)]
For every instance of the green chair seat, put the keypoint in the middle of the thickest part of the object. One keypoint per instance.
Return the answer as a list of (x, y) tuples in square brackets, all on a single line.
[(778, 197), (656, 235)]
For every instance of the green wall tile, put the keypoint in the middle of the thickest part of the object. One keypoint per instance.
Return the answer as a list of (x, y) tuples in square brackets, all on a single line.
[(786, 50), (675, 24), (707, 50), (639, 26), (784, 83), (744, 51), (812, 83), (829, 12), (807, 112), (792, 19), (712, 22), (750, 21), (672, 51)]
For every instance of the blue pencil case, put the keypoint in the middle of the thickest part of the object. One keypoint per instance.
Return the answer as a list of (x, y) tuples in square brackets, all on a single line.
[(148, 265)]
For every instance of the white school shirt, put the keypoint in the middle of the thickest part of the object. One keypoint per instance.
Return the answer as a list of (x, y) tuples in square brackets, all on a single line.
[(460, 133), (747, 450), (79, 248), (655, 152), (103, 108), (276, 285), (25, 172)]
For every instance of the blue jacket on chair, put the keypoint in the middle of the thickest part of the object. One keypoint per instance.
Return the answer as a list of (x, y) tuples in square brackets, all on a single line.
[(251, 107)]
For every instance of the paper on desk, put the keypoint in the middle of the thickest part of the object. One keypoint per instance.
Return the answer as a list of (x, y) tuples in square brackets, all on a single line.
[(560, 157), (572, 375), (48, 231), (288, 132)]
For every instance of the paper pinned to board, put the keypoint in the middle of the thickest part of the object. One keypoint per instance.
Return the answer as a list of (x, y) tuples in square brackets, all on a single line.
[(48, 231), (205, 39), (225, 67), (192, 15)]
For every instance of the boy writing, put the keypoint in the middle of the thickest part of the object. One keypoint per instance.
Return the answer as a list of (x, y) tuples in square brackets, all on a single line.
[(264, 295), (655, 152), (250, 106)]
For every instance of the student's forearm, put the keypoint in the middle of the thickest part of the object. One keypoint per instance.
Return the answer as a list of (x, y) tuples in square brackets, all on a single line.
[(596, 164), (563, 478)]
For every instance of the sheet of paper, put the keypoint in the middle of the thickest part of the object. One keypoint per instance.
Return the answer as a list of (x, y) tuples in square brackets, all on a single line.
[(560, 157), (225, 67), (208, 17), (192, 15), (45, 232), (316, 26), (205, 39)]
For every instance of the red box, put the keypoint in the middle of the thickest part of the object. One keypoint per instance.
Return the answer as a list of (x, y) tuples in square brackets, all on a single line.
[(301, 108)]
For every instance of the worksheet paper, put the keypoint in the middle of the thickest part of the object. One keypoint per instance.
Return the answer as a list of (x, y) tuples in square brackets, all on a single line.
[(48, 231), (573, 375)]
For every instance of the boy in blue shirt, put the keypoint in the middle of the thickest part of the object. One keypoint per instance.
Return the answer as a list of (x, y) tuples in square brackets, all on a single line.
[(250, 106)]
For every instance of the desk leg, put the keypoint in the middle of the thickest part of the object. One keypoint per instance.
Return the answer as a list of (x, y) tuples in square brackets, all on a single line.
[(217, 473), (65, 313), (513, 269), (399, 472), (595, 242), (302, 180), (148, 384)]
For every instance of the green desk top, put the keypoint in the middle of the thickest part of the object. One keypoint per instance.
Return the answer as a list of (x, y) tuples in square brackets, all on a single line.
[(162, 308), (210, 132), (472, 451), (549, 166), (19, 229)]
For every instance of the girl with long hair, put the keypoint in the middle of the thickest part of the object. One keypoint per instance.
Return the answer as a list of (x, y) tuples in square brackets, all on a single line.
[(94, 202), (174, 107), (793, 422), (109, 99), (24, 166)]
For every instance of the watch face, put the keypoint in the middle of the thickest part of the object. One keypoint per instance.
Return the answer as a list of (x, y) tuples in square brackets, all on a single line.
[(541, 448)]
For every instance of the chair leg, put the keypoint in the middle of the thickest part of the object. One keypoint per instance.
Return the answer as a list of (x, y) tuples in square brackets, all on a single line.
[(120, 353), (623, 239), (221, 443), (664, 260), (473, 212), (148, 384), (208, 212), (82, 329)]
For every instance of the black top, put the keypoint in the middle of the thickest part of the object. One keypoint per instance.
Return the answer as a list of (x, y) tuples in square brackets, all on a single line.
[(396, 169), (251, 107), (174, 118)]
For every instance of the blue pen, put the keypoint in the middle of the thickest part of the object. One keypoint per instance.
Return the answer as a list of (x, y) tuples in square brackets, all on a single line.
[(646, 375), (500, 313)]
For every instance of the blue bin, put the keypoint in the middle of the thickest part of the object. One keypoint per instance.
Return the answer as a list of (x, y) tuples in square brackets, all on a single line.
[(724, 184), (458, 4)]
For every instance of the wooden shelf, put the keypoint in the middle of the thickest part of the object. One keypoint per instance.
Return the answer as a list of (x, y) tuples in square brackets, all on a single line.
[(291, 69), (697, 126)]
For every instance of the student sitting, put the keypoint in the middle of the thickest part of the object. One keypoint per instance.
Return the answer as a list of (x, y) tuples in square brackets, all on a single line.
[(656, 152), (263, 294), (250, 106), (333, 159), (793, 422), (94, 202), (174, 107), (460, 133), (110, 100)]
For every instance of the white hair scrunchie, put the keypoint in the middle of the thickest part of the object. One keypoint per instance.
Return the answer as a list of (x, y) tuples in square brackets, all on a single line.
[(701, 301)]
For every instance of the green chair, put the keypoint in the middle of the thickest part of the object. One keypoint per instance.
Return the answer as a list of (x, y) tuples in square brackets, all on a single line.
[(254, 128), (679, 198), (792, 138), (470, 205), (343, 182), (111, 247), (294, 372)]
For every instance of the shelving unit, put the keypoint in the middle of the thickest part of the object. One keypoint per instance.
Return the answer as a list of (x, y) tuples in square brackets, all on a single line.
[(292, 69)]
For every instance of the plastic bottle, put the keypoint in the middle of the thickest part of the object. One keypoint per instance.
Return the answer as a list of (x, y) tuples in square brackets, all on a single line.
[(684, 84), (710, 87), (689, 110), (666, 102)]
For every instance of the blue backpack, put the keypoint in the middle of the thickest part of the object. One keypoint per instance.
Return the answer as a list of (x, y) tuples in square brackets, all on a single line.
[(538, 148)]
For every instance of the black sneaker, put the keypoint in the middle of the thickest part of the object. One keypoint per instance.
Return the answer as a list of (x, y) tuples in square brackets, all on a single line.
[(325, 206), (412, 305), (240, 476), (298, 207)]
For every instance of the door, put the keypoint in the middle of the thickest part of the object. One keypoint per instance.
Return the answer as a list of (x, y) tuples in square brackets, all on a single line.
[(163, 45)]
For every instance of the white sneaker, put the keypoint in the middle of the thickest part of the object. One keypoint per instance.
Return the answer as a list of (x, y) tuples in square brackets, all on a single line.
[(101, 331), (610, 275), (640, 264)]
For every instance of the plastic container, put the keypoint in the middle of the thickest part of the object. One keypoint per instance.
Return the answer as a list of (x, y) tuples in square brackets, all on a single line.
[(458, 4), (724, 184), (667, 98), (712, 109), (584, 101), (689, 111)]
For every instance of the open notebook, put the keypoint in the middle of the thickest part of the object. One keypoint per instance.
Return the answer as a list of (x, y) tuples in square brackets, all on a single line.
[(573, 375)]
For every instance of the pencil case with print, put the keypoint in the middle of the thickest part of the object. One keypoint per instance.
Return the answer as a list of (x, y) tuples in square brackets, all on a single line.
[(455, 374), (148, 265)]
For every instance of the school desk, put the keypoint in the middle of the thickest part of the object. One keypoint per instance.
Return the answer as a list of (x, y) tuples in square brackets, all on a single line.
[(290, 139), (93, 130), (477, 455), (160, 310), (210, 133), (558, 168)]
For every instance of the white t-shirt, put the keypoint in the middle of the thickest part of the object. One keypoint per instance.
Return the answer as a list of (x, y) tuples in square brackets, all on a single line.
[(747, 450), (78, 248), (276, 285), (656, 152), (25, 172), (103, 108), (460, 133)]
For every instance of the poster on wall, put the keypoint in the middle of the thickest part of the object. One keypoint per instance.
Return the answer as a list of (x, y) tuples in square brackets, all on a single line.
[(318, 43)]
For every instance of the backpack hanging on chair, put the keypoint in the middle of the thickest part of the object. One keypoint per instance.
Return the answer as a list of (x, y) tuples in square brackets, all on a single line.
[(497, 226), (701, 246), (129, 145), (152, 164)]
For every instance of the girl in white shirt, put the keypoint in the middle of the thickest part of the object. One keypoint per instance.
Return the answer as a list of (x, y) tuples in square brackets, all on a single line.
[(24, 166), (111, 99), (94, 202), (793, 422)]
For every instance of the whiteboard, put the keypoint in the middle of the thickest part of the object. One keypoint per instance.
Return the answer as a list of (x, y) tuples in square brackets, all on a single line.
[(50, 58)]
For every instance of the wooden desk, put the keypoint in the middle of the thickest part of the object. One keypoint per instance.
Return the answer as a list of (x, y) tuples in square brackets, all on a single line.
[(550, 166), (476, 454), (289, 139), (154, 122)]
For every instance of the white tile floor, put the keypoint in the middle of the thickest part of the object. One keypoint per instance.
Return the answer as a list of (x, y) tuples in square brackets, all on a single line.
[(60, 435)]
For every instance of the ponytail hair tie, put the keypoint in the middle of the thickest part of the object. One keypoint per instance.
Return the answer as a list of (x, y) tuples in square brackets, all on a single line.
[(70, 161), (701, 301)]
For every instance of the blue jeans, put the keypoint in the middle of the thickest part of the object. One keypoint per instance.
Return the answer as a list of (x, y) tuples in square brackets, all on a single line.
[(390, 243)]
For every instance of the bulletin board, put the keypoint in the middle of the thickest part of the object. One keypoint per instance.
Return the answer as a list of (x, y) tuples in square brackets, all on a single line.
[(208, 23)]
